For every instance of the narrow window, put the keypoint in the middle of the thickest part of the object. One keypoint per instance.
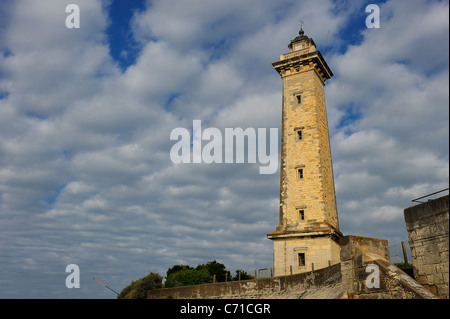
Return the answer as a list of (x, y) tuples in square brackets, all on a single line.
[(301, 260), (301, 214), (300, 173), (299, 135), (299, 99)]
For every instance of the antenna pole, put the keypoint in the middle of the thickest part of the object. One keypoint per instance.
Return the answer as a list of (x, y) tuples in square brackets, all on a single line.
[(326, 42), (108, 287)]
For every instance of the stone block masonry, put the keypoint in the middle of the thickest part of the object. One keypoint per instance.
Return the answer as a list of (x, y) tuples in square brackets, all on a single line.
[(307, 236), (321, 284), (344, 280), (428, 235), (357, 254)]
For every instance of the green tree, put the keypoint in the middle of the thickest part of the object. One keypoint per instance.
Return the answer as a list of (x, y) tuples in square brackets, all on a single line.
[(187, 277), (176, 268), (138, 289), (215, 268)]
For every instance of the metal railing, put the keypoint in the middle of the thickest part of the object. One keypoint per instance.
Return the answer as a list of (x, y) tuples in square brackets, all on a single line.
[(269, 272), (416, 200)]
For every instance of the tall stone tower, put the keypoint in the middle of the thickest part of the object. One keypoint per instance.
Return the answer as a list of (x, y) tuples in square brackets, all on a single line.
[(308, 232)]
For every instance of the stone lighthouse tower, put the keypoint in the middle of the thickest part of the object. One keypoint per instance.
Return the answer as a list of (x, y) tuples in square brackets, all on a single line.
[(308, 233)]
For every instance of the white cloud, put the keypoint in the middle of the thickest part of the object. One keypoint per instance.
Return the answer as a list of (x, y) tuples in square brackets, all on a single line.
[(393, 90)]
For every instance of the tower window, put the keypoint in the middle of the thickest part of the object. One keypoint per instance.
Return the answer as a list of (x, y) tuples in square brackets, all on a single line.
[(300, 173), (301, 214), (299, 135), (298, 47), (299, 99), (301, 260)]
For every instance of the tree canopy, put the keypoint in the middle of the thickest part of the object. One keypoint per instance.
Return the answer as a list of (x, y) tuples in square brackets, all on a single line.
[(181, 275)]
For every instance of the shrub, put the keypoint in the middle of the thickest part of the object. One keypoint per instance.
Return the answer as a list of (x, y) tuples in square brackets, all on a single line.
[(244, 275), (176, 268), (137, 289), (402, 266), (215, 268), (187, 277)]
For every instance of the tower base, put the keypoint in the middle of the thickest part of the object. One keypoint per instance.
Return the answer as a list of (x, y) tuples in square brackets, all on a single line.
[(295, 252)]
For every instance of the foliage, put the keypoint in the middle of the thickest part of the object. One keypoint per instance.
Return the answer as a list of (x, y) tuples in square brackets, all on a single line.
[(137, 289), (244, 275), (401, 265), (181, 275), (215, 268), (176, 268), (187, 277)]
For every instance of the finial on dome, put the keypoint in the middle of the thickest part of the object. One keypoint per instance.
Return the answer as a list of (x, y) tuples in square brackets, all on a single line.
[(301, 37)]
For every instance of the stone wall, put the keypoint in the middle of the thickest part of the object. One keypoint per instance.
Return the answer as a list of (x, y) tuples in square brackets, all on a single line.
[(362, 257), (320, 252), (393, 282), (428, 235), (320, 284), (354, 245), (347, 279)]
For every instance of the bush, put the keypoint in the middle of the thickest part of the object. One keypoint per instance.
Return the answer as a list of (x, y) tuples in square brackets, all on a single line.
[(244, 275), (176, 268), (215, 268), (402, 266), (187, 277), (137, 289), (179, 275)]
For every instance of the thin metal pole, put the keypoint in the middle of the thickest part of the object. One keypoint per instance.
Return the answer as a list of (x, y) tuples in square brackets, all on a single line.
[(108, 287), (405, 257)]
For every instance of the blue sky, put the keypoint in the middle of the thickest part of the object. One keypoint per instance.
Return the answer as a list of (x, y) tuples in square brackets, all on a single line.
[(122, 46), (86, 115)]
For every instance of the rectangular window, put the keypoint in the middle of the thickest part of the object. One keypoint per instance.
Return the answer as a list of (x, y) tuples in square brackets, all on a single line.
[(299, 99), (300, 173), (299, 135), (301, 260), (301, 214)]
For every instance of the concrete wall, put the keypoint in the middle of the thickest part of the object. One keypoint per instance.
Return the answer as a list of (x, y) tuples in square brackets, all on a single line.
[(428, 235)]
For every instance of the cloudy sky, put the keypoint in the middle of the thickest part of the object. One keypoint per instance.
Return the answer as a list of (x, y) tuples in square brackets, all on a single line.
[(86, 115)]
